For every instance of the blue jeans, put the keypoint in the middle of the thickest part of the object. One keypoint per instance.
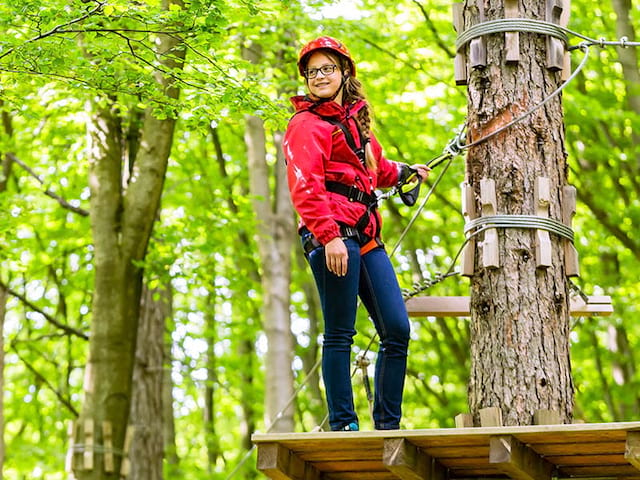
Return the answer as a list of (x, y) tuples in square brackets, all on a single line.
[(372, 278)]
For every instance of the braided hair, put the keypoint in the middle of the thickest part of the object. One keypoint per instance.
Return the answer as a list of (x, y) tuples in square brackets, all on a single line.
[(353, 91)]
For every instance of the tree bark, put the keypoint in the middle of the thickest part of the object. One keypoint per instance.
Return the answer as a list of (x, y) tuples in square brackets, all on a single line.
[(4, 296), (147, 406), (122, 218), (519, 312)]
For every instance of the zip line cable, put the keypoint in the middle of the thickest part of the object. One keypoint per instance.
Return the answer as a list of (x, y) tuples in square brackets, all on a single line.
[(456, 147)]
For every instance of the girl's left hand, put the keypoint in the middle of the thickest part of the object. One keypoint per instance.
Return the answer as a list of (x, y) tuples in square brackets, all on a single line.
[(423, 170)]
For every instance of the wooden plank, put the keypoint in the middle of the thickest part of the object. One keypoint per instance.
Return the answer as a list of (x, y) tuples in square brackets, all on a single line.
[(438, 306), (511, 39), (491, 417), (464, 420), (467, 260), (632, 449), (460, 61), (88, 444), (107, 436), (546, 417), (555, 46), (600, 471), (280, 463), (517, 460), (477, 46), (543, 241), (490, 257), (582, 448), (564, 21), (587, 460), (69, 460), (571, 265), (459, 306), (125, 466), (406, 461)]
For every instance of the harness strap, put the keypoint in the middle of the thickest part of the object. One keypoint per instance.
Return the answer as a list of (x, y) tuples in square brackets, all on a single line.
[(348, 137), (353, 193)]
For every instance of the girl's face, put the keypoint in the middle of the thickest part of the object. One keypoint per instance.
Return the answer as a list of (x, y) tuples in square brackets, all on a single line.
[(324, 85)]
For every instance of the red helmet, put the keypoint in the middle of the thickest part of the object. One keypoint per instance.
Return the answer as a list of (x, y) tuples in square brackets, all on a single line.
[(328, 43)]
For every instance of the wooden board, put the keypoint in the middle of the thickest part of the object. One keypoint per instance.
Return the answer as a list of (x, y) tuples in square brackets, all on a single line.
[(453, 306), (595, 451)]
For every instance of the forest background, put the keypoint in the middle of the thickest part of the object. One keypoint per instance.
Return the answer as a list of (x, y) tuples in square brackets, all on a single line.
[(207, 265)]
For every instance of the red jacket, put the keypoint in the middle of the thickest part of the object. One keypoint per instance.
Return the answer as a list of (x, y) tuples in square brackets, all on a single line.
[(317, 151)]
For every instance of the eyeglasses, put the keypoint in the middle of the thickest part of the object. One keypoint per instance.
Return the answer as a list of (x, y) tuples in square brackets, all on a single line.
[(325, 69)]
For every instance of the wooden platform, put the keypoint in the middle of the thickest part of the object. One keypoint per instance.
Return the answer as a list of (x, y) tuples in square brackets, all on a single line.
[(597, 451)]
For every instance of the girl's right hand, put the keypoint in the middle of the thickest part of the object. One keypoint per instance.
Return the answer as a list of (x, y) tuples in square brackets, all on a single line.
[(336, 256)]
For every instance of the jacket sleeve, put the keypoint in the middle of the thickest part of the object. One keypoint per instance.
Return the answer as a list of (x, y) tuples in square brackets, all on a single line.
[(307, 147)]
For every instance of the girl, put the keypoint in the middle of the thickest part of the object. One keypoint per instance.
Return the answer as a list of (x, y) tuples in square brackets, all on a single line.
[(334, 165)]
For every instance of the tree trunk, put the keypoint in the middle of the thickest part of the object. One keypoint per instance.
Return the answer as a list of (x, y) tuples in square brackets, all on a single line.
[(147, 409), (4, 296), (5, 173), (275, 227), (211, 436), (121, 220), (519, 310)]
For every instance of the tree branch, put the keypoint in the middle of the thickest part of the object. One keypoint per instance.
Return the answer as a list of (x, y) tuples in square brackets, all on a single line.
[(69, 330), (57, 28), (434, 30), (65, 401), (48, 192)]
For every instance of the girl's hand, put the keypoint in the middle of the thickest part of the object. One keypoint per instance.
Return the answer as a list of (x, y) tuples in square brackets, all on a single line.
[(423, 170), (336, 256)]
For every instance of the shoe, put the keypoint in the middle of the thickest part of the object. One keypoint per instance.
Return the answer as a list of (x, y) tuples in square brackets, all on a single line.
[(352, 427)]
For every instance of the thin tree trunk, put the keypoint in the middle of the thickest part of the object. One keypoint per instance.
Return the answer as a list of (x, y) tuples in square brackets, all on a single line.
[(5, 173), (519, 312), (275, 217), (4, 296), (211, 436), (147, 409)]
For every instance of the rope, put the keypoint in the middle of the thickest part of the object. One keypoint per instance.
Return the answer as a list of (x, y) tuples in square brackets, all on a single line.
[(521, 221), (510, 25), (529, 25)]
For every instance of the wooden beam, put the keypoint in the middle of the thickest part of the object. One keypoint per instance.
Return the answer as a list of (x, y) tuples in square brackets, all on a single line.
[(543, 241), (467, 259), (409, 462), (464, 420), (458, 306), (511, 39), (460, 61), (564, 21), (490, 256), (571, 265), (107, 436), (477, 46), (546, 417), (280, 463), (491, 417), (88, 444), (555, 47), (632, 449), (517, 460)]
